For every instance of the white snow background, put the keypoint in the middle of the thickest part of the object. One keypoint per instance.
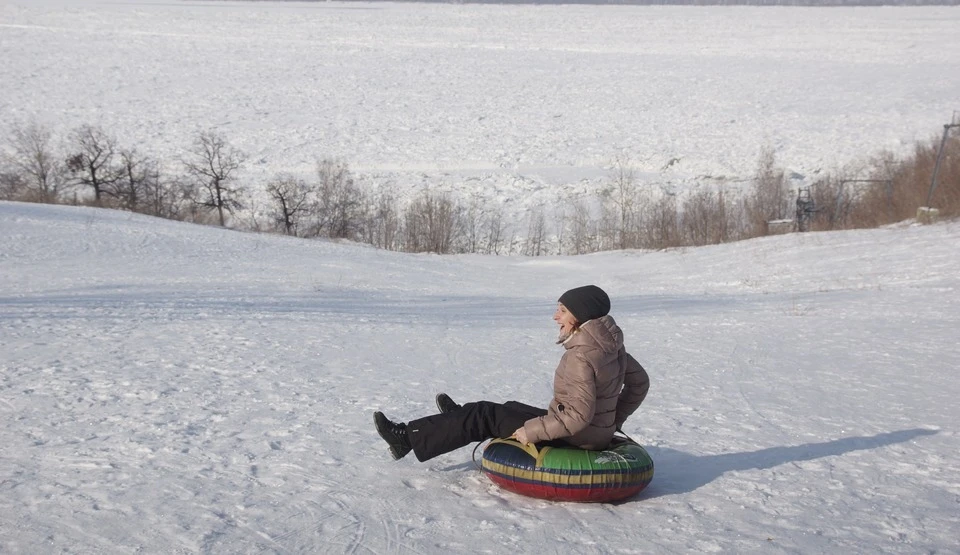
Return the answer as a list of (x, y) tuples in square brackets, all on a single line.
[(168, 387), (174, 388), (522, 106)]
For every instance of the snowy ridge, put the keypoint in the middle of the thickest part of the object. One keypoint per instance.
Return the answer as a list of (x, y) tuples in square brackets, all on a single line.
[(168, 387)]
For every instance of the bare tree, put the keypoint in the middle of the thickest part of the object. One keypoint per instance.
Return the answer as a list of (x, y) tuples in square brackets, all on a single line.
[(383, 228), (139, 176), (770, 199), (212, 164), (536, 233), (736, 217), (444, 224), (560, 223), (702, 218), (431, 224), (495, 231), (723, 217), (607, 226), (473, 220), (340, 202), (92, 163), (662, 226), (292, 198), (35, 163), (167, 198), (580, 226), (625, 199)]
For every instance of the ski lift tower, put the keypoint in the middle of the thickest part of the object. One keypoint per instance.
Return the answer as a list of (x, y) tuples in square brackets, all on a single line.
[(927, 213), (806, 207)]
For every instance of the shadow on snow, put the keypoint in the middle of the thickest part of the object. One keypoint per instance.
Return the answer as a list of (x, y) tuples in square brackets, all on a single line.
[(678, 472)]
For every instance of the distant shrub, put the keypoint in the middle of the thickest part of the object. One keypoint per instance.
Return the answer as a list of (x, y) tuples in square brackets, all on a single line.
[(34, 168), (432, 223)]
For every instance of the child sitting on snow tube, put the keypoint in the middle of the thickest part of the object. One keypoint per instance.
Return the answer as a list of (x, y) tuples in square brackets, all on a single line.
[(597, 385)]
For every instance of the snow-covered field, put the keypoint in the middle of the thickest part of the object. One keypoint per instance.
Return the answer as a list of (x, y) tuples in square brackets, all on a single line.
[(519, 104), (172, 388)]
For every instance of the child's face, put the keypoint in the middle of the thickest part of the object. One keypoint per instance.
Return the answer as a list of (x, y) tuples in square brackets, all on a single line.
[(565, 319)]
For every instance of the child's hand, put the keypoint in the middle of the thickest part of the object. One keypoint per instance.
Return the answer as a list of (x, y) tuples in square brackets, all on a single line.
[(521, 435)]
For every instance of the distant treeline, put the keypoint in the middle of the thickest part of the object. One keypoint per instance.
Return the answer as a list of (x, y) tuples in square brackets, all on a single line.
[(88, 166)]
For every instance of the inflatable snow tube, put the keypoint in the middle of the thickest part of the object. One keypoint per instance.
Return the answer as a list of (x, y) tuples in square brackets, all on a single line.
[(568, 473)]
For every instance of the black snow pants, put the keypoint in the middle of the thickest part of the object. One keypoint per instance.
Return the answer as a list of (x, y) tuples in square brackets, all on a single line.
[(442, 433)]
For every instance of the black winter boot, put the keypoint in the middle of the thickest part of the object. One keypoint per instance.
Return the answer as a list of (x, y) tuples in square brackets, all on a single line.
[(394, 433), (445, 403)]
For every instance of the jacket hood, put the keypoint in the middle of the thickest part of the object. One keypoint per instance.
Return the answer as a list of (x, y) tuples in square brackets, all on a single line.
[(602, 333)]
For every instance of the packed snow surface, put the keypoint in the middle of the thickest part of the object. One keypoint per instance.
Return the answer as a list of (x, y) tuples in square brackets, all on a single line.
[(488, 99), (167, 387)]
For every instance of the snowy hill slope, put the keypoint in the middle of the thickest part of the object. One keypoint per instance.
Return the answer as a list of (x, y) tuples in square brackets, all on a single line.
[(173, 388)]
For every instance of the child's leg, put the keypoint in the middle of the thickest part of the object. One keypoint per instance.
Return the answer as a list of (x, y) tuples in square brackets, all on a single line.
[(442, 433)]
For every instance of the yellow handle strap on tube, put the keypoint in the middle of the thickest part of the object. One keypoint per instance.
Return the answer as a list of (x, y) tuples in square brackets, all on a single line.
[(531, 449)]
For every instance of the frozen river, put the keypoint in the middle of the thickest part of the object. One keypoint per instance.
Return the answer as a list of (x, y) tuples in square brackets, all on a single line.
[(507, 100)]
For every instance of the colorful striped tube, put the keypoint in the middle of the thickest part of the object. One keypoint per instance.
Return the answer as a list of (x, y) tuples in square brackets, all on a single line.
[(568, 473)]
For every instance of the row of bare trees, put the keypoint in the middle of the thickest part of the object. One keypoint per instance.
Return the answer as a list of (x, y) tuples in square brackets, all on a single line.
[(93, 168), (626, 214), (333, 203)]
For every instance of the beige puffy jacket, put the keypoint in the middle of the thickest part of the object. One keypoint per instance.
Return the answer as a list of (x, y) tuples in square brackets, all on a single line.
[(596, 387)]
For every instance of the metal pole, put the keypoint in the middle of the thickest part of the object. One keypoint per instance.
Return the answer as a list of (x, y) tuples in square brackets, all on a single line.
[(936, 167), (836, 212)]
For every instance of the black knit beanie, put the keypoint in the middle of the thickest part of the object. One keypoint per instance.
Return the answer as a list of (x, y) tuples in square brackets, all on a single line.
[(586, 303)]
